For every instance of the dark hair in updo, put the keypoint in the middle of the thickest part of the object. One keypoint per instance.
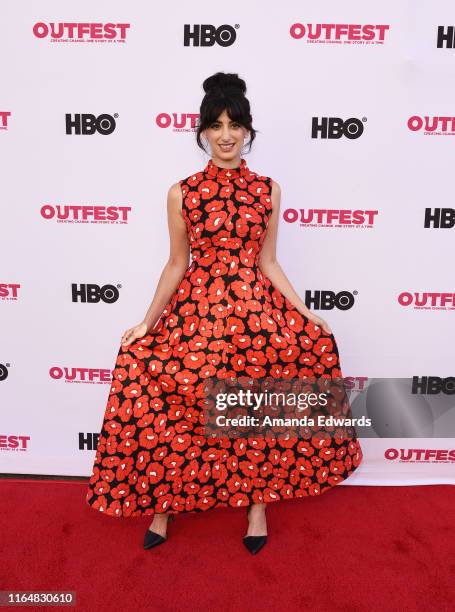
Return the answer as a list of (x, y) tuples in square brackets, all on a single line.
[(224, 91)]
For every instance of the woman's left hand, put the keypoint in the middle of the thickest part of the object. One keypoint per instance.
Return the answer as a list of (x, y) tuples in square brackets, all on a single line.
[(319, 321)]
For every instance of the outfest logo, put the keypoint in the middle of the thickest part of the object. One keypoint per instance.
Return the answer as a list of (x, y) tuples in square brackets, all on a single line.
[(80, 375), (82, 32), (323, 217), (9, 291), (14, 442), (420, 455), (4, 116), (437, 125), (80, 213), (427, 300), (178, 122), (339, 33)]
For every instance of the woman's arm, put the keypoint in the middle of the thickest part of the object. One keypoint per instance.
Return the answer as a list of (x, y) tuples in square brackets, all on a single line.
[(272, 269), (178, 261)]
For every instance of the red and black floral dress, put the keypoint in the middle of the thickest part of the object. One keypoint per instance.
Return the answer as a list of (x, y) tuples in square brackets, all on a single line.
[(225, 319)]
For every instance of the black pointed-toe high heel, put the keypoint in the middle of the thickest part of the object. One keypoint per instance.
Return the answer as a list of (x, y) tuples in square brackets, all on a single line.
[(254, 543), (152, 538)]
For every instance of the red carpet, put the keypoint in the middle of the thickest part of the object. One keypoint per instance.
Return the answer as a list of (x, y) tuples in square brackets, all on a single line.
[(352, 549)]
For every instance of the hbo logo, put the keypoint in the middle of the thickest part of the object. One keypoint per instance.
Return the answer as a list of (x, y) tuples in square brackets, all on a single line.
[(94, 293), (433, 385), (207, 35), (328, 300), (89, 124), (334, 127)]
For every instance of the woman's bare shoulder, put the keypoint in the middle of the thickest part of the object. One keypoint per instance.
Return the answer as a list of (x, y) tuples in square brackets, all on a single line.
[(175, 192), (175, 196), (175, 189), (275, 195), (276, 187)]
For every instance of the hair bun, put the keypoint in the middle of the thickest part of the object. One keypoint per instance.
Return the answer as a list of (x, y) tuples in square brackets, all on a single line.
[(223, 83), (224, 93)]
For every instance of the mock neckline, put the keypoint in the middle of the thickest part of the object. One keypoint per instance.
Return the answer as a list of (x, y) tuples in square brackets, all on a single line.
[(226, 173)]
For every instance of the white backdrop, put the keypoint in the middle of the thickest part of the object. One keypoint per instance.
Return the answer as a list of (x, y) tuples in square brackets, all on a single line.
[(90, 209)]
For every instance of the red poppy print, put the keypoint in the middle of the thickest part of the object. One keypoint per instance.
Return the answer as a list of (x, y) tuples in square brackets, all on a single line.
[(227, 320)]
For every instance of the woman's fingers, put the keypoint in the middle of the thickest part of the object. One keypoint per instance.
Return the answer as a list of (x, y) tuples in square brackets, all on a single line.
[(127, 336)]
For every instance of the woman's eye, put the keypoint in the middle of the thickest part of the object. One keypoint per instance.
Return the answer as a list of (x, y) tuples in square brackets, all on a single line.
[(215, 126)]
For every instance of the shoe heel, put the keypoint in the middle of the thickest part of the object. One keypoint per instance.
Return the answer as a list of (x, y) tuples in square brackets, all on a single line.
[(254, 543), (152, 539)]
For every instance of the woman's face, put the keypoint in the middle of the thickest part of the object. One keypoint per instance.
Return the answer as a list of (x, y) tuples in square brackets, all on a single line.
[(226, 138)]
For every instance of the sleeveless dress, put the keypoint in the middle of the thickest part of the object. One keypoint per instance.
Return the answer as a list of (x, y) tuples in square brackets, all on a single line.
[(225, 319)]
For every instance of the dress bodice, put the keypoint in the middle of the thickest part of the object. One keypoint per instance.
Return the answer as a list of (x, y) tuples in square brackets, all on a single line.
[(226, 211)]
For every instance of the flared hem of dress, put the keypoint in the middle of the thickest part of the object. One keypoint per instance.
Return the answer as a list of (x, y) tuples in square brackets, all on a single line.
[(149, 511)]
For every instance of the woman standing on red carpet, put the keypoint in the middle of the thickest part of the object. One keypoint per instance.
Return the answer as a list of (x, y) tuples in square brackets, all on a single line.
[(231, 312)]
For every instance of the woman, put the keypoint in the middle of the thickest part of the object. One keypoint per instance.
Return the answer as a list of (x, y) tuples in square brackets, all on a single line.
[(232, 312)]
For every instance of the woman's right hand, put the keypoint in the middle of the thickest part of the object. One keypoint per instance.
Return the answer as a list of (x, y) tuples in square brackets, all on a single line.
[(133, 333)]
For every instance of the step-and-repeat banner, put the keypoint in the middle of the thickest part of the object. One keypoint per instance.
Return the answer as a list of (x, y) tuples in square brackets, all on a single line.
[(353, 103)]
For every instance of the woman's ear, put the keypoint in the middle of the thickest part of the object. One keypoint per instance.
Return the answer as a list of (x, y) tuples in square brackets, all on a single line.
[(204, 138)]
